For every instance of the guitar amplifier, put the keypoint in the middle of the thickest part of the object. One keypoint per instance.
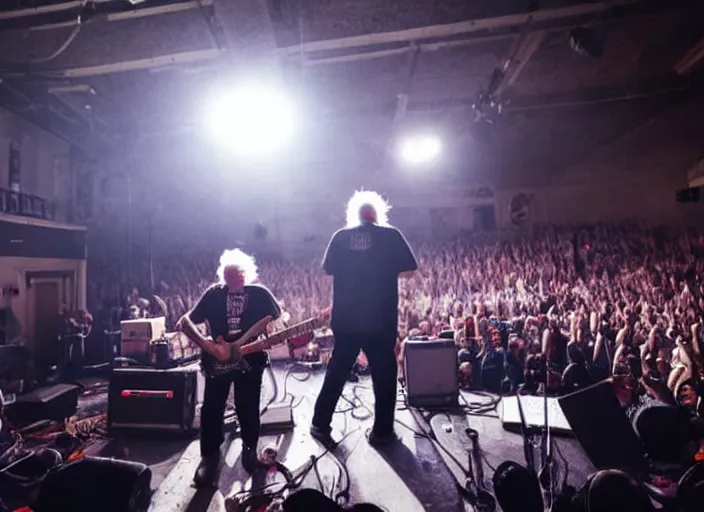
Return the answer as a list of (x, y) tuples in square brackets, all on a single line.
[(154, 401), (430, 370), (137, 334)]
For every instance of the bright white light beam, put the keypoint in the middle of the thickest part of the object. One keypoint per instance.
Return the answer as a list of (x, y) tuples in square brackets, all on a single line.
[(251, 121), (420, 150)]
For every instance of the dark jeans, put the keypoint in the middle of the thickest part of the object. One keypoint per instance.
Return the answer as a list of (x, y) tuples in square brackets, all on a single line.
[(247, 397), (380, 351)]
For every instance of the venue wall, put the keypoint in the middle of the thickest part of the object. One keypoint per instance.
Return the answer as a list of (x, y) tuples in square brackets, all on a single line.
[(34, 161)]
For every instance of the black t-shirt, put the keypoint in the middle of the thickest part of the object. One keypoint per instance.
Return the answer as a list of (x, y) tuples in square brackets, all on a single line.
[(230, 315), (365, 263)]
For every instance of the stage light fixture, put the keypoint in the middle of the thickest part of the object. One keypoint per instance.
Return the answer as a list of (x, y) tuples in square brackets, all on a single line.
[(251, 120), (420, 150)]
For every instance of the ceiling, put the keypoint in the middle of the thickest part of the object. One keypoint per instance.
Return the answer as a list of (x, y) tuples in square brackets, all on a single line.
[(113, 77)]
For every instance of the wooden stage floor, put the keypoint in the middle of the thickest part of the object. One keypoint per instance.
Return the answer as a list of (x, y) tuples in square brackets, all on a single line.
[(411, 476)]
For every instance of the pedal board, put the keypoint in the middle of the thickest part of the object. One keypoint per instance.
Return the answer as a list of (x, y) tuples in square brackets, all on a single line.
[(277, 419)]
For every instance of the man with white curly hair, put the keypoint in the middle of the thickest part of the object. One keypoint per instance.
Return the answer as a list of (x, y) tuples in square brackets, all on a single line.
[(365, 260), (230, 308)]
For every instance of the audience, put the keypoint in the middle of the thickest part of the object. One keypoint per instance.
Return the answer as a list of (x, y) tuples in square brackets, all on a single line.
[(555, 306)]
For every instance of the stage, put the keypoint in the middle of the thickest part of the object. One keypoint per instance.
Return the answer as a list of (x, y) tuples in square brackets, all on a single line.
[(410, 476)]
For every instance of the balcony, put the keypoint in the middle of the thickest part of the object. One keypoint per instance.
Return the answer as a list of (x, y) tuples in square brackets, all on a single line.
[(26, 205)]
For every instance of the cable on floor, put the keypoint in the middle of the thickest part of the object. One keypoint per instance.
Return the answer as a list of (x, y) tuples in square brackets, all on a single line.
[(298, 372), (355, 404), (468, 472), (297, 477), (302, 373)]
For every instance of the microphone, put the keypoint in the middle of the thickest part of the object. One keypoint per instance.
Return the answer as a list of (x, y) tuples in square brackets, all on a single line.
[(517, 489)]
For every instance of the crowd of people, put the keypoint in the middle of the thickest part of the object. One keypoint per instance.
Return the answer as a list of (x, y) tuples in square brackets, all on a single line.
[(582, 302)]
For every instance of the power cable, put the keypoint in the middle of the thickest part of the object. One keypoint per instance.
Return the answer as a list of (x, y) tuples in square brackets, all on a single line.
[(295, 478), (294, 481), (473, 489)]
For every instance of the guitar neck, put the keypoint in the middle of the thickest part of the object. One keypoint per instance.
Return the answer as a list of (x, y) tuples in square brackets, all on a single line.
[(281, 336)]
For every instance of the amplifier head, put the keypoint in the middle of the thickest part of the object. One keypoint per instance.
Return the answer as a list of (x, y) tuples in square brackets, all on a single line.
[(431, 373)]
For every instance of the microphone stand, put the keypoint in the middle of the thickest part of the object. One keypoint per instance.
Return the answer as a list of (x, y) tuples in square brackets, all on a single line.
[(546, 453), (527, 433)]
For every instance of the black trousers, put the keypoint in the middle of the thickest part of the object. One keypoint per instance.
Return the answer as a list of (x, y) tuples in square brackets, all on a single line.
[(381, 354), (247, 397)]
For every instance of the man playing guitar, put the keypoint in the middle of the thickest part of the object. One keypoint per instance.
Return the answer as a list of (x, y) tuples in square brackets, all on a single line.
[(231, 307)]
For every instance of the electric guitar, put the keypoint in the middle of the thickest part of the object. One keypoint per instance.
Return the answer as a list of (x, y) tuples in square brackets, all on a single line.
[(246, 344)]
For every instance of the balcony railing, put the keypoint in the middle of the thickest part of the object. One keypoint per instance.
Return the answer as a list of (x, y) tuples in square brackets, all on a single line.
[(26, 205)]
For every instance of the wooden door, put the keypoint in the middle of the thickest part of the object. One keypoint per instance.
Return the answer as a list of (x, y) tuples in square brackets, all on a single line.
[(47, 322)]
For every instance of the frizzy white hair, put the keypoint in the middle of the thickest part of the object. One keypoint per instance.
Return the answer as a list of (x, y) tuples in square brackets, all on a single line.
[(362, 198), (241, 260)]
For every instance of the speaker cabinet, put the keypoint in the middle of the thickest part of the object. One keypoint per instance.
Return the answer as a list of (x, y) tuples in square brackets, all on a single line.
[(153, 401), (430, 369), (56, 402)]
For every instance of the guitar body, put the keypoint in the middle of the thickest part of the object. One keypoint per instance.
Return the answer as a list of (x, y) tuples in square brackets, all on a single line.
[(247, 350), (231, 359)]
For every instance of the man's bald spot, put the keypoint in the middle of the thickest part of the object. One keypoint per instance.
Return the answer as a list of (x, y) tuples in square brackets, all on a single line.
[(367, 213)]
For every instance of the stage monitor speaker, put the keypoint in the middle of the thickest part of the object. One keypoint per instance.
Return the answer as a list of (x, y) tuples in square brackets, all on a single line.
[(611, 442), (56, 402), (430, 369)]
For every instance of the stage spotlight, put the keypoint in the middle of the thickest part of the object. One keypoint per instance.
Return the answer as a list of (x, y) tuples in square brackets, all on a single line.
[(251, 121), (420, 150)]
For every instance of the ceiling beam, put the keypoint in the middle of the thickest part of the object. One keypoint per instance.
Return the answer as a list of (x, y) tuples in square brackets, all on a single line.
[(452, 29), (517, 62), (139, 64), (100, 11), (380, 54), (134, 14), (694, 56), (224, 10), (214, 53), (38, 11)]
